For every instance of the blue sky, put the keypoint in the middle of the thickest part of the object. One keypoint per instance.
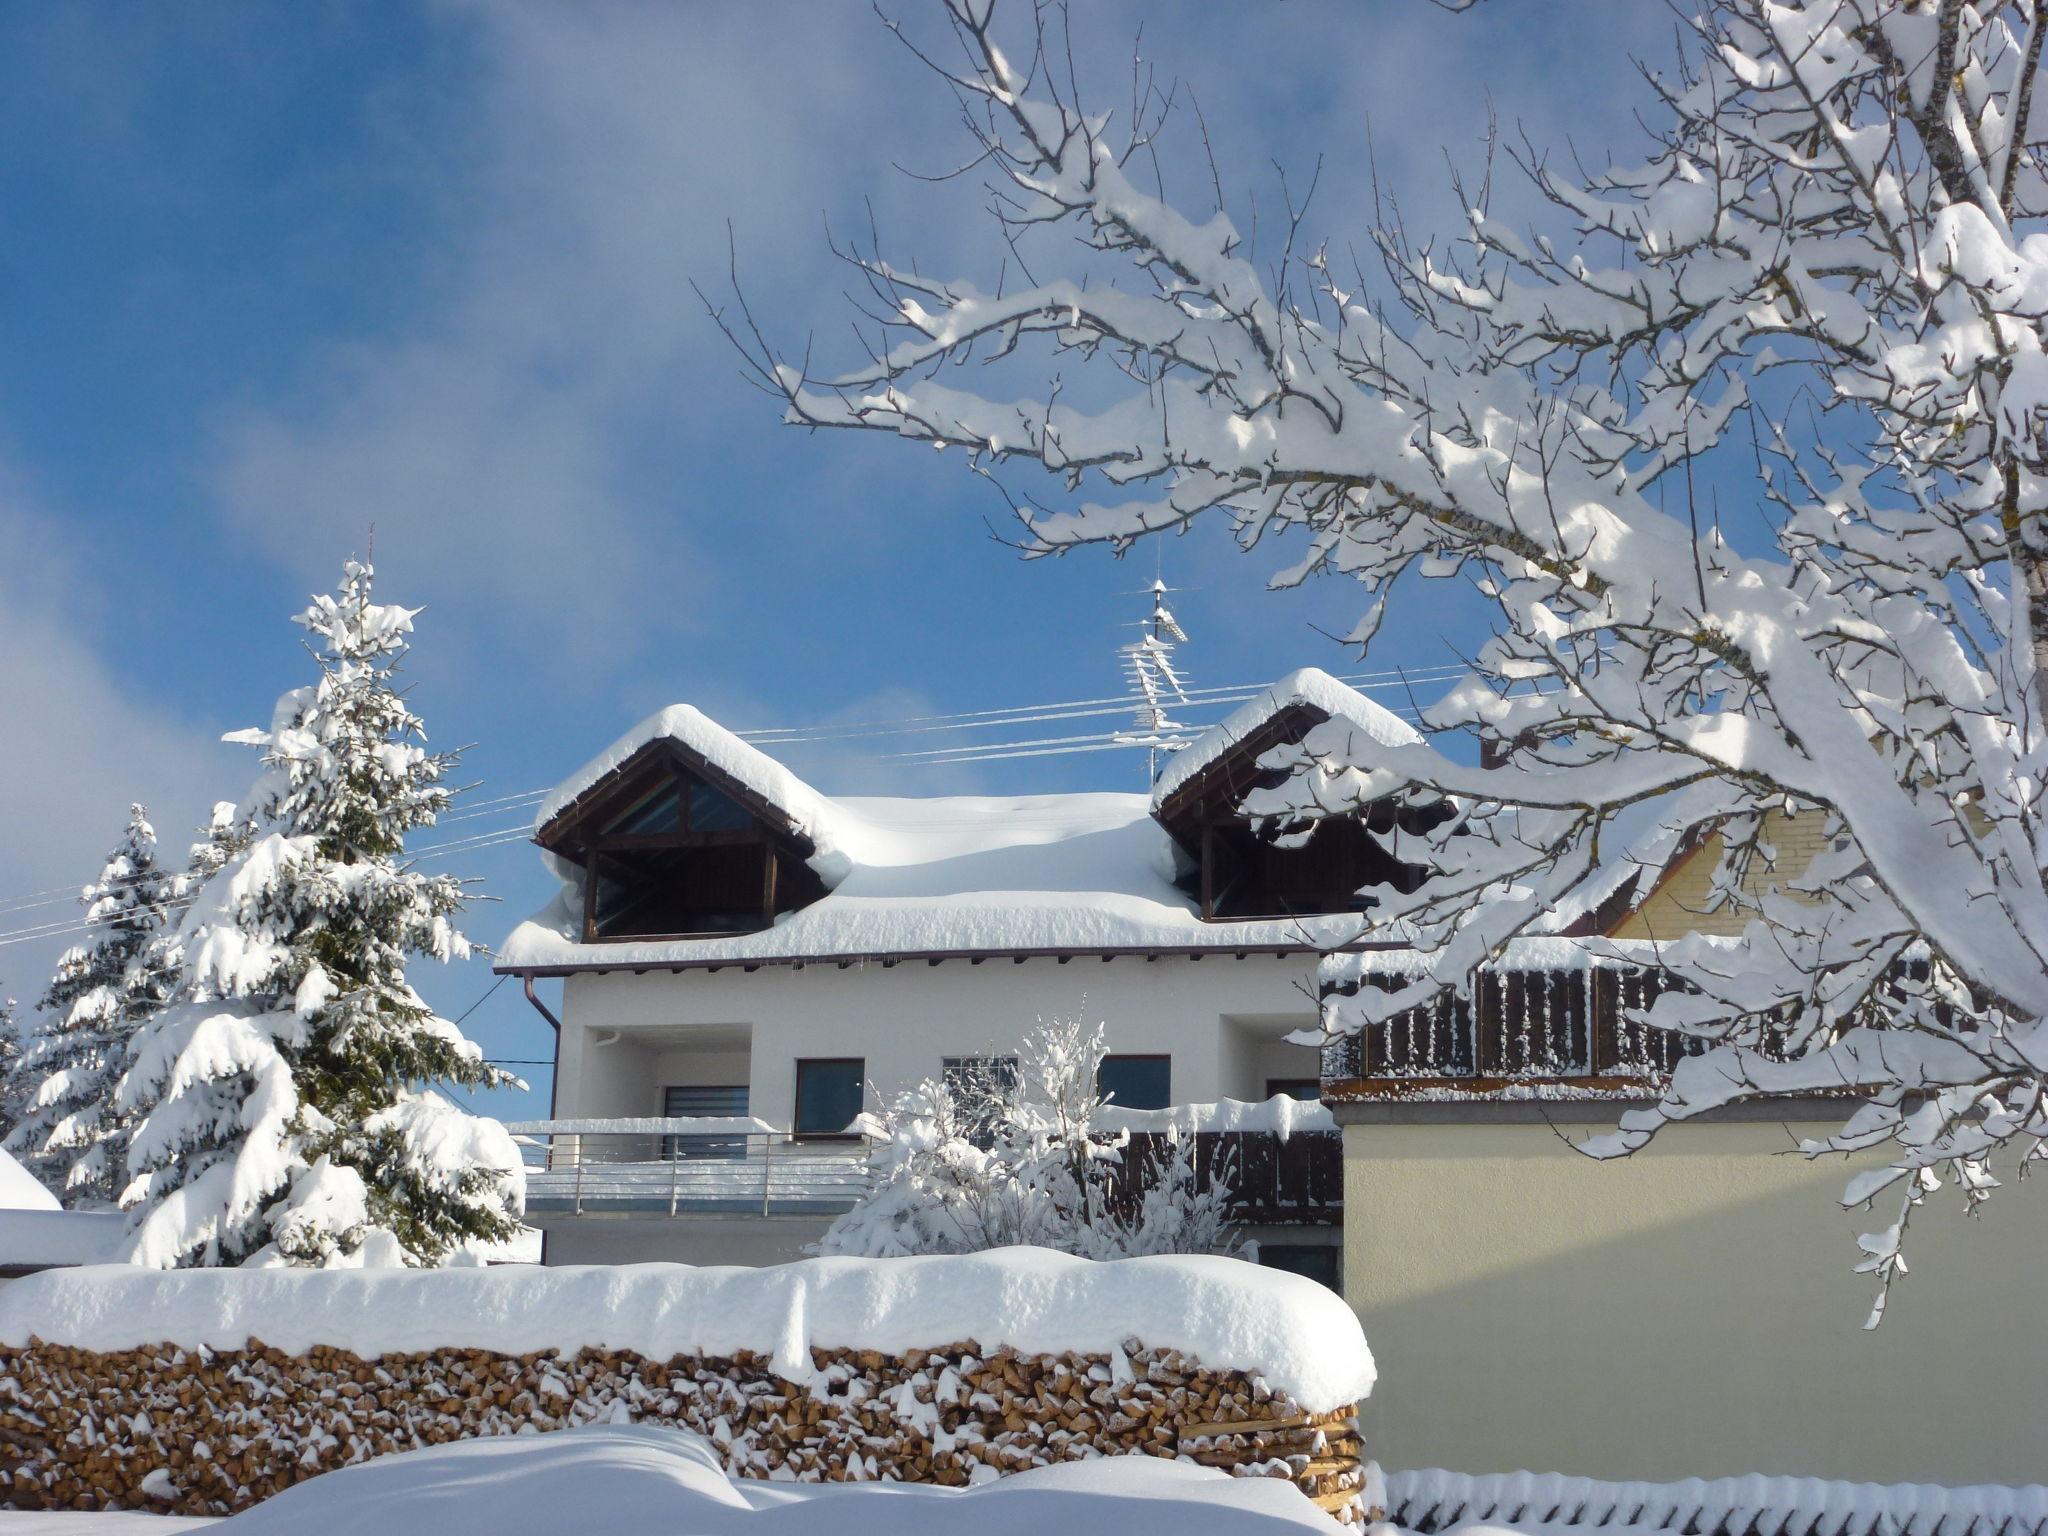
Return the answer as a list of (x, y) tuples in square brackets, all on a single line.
[(271, 274)]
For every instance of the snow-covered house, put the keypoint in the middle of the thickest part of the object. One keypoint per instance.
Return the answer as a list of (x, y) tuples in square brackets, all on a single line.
[(750, 964)]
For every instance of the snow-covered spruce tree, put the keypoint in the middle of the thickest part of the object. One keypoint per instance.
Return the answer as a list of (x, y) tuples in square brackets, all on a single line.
[(71, 1136), (985, 1162), (14, 1086), (1827, 271), (286, 1111)]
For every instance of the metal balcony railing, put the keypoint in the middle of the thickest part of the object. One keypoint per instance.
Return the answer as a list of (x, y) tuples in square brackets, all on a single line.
[(688, 1167)]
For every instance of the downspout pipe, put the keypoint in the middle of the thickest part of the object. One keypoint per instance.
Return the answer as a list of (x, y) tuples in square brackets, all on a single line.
[(554, 1074)]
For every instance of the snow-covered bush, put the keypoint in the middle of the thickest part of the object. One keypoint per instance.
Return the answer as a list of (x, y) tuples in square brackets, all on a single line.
[(986, 1160), (71, 1134), (283, 1097), (1827, 279)]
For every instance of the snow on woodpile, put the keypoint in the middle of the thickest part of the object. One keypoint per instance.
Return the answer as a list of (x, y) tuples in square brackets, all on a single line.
[(1435, 1500), (656, 1480), (951, 1371), (810, 812), (1297, 1335), (1310, 686)]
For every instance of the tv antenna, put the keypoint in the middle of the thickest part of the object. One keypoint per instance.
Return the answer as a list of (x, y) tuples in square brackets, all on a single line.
[(1157, 684)]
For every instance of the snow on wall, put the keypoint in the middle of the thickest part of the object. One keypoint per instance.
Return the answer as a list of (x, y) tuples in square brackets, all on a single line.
[(1280, 1116), (1310, 686), (1435, 1500), (1298, 1336)]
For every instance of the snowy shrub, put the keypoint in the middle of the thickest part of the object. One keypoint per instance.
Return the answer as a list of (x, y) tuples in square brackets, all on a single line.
[(282, 1102), (982, 1162)]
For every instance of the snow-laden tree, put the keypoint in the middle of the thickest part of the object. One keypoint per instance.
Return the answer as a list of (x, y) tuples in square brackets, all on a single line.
[(71, 1135), (1826, 272), (286, 1111), (987, 1161), (14, 1086)]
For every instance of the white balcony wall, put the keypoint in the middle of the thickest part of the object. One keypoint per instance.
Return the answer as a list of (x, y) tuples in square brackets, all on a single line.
[(1221, 1019)]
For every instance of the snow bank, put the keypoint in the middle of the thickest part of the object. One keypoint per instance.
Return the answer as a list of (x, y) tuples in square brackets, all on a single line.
[(1435, 1500), (1297, 1335), (647, 1479), (20, 1190), (811, 813), (1310, 686)]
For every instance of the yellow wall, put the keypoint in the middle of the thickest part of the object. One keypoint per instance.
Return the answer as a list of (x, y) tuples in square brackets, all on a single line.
[(1690, 1311), (1679, 904)]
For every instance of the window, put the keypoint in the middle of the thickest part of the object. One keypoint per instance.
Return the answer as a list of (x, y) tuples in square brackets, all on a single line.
[(1136, 1082), (1294, 1087), (984, 1076), (828, 1094), (704, 1102), (980, 1085), (1318, 1261)]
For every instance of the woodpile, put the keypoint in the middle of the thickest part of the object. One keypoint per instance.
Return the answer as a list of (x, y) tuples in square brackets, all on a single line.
[(205, 1432)]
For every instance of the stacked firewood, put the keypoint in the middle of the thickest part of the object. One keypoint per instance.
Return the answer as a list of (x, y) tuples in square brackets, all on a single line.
[(207, 1432)]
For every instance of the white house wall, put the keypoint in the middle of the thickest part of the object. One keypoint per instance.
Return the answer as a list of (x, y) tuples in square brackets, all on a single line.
[(1220, 1019)]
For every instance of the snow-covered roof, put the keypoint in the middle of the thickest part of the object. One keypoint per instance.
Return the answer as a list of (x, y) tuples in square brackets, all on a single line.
[(1640, 840), (698, 734), (20, 1190), (1310, 687), (959, 875), (58, 1239)]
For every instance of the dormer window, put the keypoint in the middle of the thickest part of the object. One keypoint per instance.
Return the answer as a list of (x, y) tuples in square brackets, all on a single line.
[(672, 850), (1238, 871)]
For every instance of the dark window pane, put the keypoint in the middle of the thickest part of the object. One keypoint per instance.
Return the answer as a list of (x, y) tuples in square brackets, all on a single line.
[(828, 1095), (1136, 1082), (980, 1085), (654, 811), (696, 1102), (711, 811), (1294, 1087), (1318, 1261)]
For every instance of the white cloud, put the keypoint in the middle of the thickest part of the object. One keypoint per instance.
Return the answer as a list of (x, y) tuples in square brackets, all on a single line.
[(76, 745)]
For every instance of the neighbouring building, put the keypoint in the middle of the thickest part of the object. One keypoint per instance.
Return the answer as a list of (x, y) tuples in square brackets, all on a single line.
[(748, 965)]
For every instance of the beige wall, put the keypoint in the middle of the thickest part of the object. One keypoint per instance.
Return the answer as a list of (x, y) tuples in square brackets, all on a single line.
[(1677, 904), (1690, 1311)]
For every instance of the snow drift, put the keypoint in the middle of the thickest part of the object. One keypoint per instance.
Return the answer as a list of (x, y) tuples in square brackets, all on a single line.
[(645, 1479)]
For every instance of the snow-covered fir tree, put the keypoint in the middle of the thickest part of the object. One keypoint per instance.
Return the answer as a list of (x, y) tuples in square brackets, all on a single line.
[(71, 1135), (285, 1096), (986, 1161), (1826, 270), (13, 1082)]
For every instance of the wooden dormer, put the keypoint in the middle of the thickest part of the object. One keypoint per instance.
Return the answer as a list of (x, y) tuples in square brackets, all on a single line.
[(672, 847), (1239, 873)]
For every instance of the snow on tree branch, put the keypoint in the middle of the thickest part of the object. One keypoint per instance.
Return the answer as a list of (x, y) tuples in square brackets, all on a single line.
[(1828, 267)]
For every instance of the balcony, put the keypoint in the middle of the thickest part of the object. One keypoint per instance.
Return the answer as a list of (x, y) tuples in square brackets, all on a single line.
[(695, 1166), (737, 1166)]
